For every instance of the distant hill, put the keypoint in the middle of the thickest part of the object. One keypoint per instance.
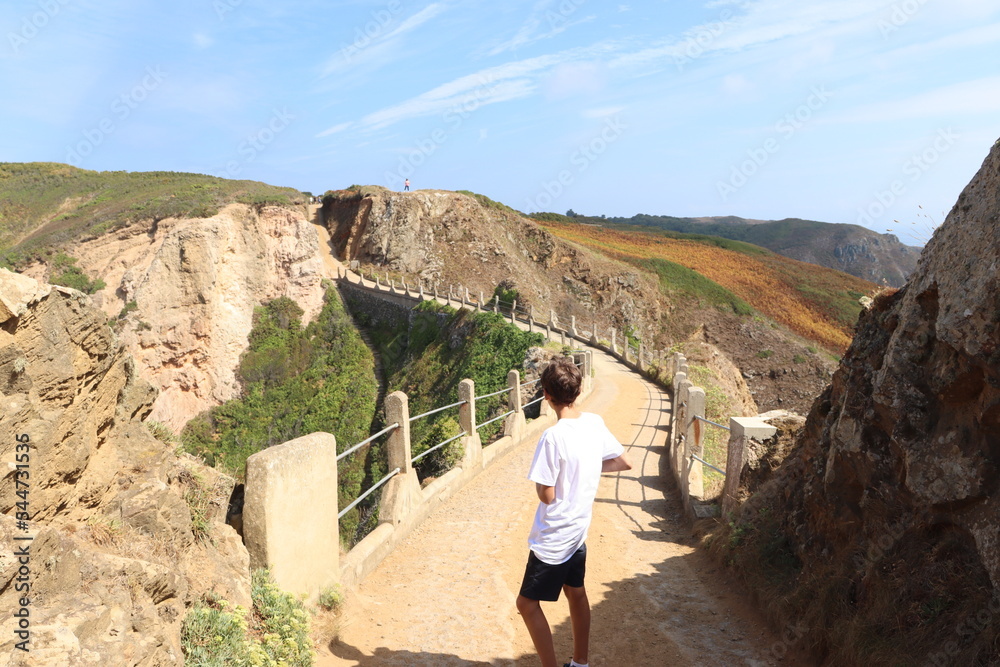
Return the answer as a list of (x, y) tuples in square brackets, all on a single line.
[(46, 206), (856, 250)]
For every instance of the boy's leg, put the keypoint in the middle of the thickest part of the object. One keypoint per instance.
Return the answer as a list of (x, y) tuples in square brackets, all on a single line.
[(538, 628), (579, 614)]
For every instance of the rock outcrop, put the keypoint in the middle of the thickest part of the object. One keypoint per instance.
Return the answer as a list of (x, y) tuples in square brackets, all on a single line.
[(188, 288), (451, 238), (888, 510), (125, 534)]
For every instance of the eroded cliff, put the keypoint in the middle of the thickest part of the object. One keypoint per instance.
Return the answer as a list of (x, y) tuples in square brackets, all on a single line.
[(122, 535), (881, 531), (186, 290)]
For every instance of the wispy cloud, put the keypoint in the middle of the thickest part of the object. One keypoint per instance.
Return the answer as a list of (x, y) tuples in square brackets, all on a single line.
[(335, 129), (761, 23), (501, 83), (376, 44), (546, 20)]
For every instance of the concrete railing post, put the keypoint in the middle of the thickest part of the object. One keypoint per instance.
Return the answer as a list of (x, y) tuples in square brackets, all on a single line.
[(593, 334), (280, 482), (513, 312), (496, 303), (467, 422), (614, 342), (515, 423), (681, 385), (742, 430), (402, 492), (480, 303), (641, 361), (693, 483), (572, 326)]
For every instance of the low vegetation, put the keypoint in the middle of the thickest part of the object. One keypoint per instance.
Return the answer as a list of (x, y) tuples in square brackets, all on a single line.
[(63, 271), (486, 202), (430, 356), (45, 207), (297, 380), (819, 304), (715, 441), (275, 633)]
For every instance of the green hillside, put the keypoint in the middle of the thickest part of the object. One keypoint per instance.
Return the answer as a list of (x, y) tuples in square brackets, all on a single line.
[(45, 207)]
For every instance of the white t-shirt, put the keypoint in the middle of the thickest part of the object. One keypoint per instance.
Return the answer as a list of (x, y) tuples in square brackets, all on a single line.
[(569, 457)]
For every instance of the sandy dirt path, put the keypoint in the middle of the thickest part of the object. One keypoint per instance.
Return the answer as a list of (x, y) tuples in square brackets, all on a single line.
[(446, 595)]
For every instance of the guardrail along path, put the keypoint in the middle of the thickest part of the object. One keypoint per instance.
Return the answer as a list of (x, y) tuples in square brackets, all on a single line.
[(445, 596)]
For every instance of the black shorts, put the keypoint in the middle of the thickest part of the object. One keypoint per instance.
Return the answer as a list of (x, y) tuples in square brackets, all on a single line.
[(544, 582)]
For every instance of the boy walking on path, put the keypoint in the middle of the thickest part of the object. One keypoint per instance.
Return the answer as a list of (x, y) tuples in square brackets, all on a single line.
[(567, 467)]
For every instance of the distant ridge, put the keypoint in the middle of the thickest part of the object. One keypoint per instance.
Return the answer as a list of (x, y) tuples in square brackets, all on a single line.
[(855, 250)]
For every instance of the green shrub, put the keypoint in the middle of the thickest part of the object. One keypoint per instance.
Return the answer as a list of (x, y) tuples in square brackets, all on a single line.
[(64, 272), (283, 621), (298, 380), (331, 598), (218, 634), (215, 635), (428, 357), (765, 354)]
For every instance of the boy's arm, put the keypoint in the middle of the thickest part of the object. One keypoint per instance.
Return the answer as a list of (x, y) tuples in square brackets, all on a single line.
[(547, 494), (616, 464)]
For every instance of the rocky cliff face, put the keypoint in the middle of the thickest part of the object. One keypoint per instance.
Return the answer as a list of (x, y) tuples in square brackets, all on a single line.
[(189, 287), (451, 238), (890, 505), (126, 535)]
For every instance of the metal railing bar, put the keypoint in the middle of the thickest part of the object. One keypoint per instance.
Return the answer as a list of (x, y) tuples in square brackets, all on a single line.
[(367, 493), (698, 458), (453, 405), (709, 421), (525, 384), (537, 400), (496, 393), (479, 426), (365, 442), (436, 447)]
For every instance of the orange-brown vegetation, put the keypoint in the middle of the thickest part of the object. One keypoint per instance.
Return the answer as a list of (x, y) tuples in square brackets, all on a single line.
[(817, 303)]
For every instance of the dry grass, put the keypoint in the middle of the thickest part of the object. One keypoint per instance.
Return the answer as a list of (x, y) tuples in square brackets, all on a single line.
[(818, 303), (116, 538)]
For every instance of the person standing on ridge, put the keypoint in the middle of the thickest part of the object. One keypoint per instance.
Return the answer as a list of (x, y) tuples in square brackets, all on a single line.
[(566, 469), (406, 185)]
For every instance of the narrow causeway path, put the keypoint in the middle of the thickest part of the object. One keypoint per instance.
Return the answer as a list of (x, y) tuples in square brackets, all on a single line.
[(445, 596)]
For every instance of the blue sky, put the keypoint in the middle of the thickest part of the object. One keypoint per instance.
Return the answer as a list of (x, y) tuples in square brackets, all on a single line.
[(846, 111)]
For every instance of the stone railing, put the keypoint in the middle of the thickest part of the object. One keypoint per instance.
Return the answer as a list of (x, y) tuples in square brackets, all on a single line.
[(554, 328), (687, 452), (291, 522)]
